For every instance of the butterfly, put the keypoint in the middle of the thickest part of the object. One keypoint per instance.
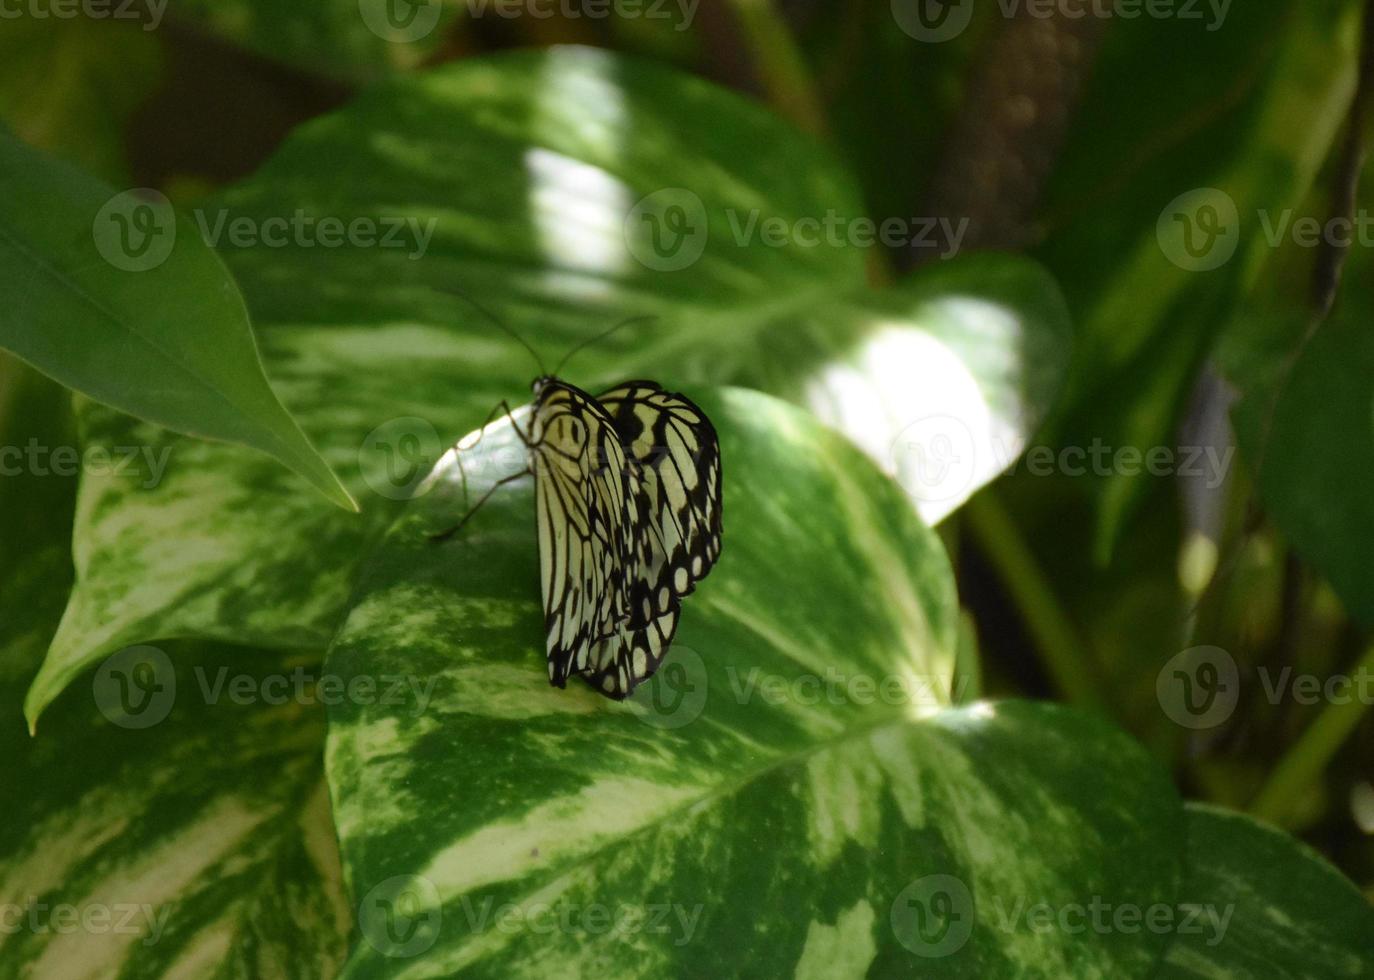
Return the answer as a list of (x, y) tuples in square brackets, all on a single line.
[(628, 518)]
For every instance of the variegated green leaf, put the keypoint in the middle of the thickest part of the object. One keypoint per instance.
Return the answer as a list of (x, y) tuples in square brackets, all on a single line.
[(172, 820), (789, 795), (491, 176), (941, 379), (1266, 906), (176, 826)]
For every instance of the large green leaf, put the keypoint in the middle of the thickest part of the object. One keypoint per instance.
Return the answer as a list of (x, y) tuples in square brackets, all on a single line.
[(790, 792), (1315, 447), (116, 296), (945, 407), (534, 207), (1269, 907), (178, 807), (180, 835), (1306, 418)]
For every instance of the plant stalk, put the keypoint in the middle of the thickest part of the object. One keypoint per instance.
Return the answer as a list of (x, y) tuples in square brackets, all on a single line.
[(780, 66), (1064, 654), (1303, 764)]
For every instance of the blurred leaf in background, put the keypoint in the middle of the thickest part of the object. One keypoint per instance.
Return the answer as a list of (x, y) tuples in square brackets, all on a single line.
[(69, 86), (352, 40)]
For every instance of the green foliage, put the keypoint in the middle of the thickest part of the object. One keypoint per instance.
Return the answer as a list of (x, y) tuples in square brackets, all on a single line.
[(287, 740), (107, 300), (802, 710), (93, 78), (1145, 321), (363, 338), (354, 40)]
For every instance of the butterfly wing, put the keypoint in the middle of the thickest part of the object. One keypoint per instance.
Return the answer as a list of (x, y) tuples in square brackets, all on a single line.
[(619, 663), (627, 490), (675, 459), (586, 506), (677, 454)]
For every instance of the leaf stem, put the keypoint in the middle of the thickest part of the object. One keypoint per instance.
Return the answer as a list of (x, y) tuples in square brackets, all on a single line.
[(1309, 755), (1064, 654), (780, 66)]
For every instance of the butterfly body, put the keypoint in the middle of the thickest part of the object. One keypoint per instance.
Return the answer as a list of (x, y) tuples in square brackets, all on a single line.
[(628, 515)]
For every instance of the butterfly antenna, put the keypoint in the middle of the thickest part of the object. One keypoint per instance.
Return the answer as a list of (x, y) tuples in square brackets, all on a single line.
[(496, 320), (601, 336)]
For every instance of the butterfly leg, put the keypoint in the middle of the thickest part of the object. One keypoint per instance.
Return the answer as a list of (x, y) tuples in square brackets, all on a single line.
[(444, 535), (502, 407)]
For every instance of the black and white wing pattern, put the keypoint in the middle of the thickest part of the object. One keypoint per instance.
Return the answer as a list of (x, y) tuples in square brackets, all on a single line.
[(627, 494), (676, 450), (588, 510), (618, 664)]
